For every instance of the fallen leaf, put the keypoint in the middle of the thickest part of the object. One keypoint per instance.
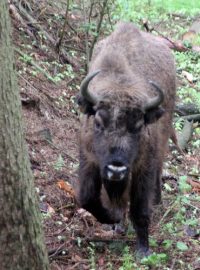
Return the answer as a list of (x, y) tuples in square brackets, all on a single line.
[(101, 261), (65, 218), (83, 213), (77, 258), (66, 187), (50, 209), (195, 185), (188, 76)]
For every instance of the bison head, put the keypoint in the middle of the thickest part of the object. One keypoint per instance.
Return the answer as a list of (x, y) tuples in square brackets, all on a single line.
[(119, 124)]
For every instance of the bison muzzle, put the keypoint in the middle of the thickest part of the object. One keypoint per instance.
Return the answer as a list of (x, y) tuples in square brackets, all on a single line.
[(127, 99)]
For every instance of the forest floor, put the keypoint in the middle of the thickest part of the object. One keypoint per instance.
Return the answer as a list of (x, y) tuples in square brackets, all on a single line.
[(74, 239)]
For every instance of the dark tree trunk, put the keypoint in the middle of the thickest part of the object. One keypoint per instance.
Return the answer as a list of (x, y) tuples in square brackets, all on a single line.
[(21, 238)]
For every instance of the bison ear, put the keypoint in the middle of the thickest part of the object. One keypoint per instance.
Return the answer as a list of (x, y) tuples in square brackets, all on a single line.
[(153, 115), (86, 107)]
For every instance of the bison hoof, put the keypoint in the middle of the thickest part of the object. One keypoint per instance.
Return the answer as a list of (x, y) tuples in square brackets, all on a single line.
[(142, 252)]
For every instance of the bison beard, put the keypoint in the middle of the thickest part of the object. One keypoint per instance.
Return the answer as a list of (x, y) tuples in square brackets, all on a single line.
[(127, 99)]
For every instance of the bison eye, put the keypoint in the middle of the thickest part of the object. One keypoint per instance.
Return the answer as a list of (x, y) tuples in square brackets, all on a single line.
[(135, 121), (135, 126), (100, 120)]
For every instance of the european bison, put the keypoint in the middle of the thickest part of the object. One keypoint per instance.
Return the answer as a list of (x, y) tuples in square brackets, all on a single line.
[(128, 100)]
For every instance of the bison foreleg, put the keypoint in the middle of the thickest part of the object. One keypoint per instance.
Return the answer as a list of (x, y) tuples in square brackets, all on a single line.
[(89, 195), (157, 198), (140, 219), (140, 215)]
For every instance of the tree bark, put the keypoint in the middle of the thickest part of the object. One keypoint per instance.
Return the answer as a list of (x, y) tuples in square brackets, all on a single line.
[(21, 239)]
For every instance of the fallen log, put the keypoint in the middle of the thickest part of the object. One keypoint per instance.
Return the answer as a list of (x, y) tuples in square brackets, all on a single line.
[(192, 117), (174, 45), (186, 109)]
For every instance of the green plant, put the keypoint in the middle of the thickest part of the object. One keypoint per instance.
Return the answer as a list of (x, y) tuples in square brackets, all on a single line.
[(155, 259), (181, 246), (92, 258), (154, 10), (190, 63), (26, 58), (127, 259), (59, 164), (167, 243), (183, 185), (153, 242)]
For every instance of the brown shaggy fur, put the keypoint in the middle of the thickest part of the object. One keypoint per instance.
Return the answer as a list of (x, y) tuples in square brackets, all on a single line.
[(128, 59)]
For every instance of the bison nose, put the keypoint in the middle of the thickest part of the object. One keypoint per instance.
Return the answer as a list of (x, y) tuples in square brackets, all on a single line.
[(116, 171)]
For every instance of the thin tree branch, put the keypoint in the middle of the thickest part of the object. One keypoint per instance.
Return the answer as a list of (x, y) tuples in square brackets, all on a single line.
[(90, 13), (98, 28), (86, 38), (62, 31)]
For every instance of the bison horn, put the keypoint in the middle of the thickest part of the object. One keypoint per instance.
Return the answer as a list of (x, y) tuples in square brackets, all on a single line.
[(84, 88), (155, 101)]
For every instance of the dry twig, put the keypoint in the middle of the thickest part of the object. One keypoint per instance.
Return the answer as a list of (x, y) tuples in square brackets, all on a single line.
[(102, 13), (62, 31)]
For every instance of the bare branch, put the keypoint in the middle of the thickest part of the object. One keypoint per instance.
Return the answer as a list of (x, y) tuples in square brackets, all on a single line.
[(98, 27), (62, 31), (86, 38)]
